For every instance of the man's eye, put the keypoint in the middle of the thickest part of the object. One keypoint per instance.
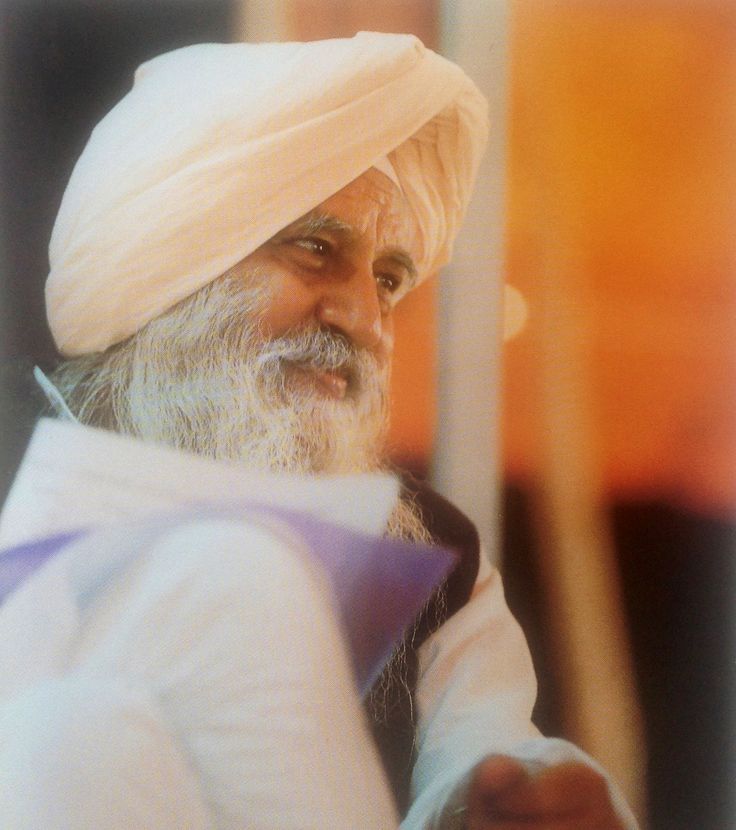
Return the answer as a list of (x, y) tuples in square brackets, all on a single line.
[(389, 283)]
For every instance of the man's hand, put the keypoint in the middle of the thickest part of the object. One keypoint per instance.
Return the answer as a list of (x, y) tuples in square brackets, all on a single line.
[(506, 794)]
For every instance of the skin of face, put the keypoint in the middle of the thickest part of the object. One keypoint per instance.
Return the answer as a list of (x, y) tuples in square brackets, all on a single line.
[(343, 266)]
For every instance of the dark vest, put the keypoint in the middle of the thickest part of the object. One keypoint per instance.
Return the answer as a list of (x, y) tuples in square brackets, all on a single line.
[(394, 732)]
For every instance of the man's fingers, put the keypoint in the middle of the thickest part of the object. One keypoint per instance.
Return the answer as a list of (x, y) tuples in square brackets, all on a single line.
[(562, 790), (492, 778), (503, 789), (496, 775)]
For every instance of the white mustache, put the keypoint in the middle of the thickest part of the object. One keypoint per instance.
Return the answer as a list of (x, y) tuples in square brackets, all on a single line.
[(320, 349)]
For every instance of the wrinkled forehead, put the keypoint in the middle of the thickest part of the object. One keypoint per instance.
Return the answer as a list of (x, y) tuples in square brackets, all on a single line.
[(374, 207)]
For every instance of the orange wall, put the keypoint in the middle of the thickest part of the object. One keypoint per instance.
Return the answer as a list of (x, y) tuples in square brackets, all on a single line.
[(622, 166), (314, 19)]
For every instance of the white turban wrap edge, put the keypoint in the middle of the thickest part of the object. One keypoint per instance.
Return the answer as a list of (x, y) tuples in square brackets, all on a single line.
[(219, 146)]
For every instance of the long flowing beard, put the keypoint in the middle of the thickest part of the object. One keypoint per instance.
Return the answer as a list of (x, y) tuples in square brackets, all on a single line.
[(394, 681), (204, 378)]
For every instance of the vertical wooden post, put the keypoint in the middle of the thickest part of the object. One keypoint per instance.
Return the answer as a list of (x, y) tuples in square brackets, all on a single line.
[(578, 566), (465, 466)]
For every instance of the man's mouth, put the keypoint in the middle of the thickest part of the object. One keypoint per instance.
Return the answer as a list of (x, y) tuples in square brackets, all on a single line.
[(332, 383)]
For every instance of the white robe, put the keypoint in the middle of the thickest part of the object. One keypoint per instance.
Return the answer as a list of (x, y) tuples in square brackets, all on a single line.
[(191, 673)]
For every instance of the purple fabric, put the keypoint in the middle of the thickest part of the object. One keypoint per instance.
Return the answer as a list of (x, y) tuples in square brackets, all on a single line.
[(18, 563), (380, 584)]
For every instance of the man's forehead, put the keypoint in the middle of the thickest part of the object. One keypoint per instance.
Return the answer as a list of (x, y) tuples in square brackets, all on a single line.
[(371, 204)]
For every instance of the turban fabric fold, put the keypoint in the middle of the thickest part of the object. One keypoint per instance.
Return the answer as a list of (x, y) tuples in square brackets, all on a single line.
[(217, 147)]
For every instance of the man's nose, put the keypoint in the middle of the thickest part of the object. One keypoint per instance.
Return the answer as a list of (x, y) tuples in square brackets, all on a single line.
[(350, 304)]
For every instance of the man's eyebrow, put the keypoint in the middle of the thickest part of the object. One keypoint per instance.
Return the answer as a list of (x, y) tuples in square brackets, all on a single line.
[(314, 223)]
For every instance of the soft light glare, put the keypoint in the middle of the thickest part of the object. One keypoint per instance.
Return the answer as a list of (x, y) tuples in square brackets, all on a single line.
[(515, 312)]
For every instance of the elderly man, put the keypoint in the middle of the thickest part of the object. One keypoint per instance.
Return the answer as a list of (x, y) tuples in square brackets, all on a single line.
[(224, 271)]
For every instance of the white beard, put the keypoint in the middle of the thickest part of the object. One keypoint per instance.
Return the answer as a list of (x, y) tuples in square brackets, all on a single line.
[(203, 378)]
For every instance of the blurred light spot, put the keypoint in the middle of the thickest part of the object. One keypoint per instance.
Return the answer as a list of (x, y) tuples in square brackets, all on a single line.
[(515, 312)]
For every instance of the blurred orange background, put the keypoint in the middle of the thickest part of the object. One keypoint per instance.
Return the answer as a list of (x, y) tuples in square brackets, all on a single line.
[(622, 190)]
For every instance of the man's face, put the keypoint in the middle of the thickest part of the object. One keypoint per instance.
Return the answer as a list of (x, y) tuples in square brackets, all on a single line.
[(342, 267), (283, 362)]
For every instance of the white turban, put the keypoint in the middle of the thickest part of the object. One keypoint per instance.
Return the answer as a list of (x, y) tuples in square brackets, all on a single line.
[(219, 146)]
